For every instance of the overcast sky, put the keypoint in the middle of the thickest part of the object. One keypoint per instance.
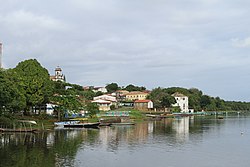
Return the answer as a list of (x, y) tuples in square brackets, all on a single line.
[(187, 43)]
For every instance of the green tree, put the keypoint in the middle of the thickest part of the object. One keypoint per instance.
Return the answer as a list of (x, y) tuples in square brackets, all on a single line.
[(68, 98), (112, 87), (88, 94), (34, 80), (167, 101), (161, 98), (205, 102), (11, 98), (93, 109), (195, 98), (131, 87), (156, 96), (66, 104)]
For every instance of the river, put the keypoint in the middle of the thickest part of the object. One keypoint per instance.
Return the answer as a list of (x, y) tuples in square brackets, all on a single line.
[(201, 141)]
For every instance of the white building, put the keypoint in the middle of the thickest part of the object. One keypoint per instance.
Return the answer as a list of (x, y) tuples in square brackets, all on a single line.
[(181, 101), (58, 75), (105, 102), (106, 97), (100, 89), (50, 108), (104, 105)]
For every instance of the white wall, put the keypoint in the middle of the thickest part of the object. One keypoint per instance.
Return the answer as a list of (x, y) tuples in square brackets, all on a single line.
[(182, 102)]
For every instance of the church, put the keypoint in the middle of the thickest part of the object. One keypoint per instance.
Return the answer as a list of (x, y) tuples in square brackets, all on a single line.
[(58, 75)]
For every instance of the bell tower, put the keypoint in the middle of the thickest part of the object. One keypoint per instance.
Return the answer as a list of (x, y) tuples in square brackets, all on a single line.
[(58, 74)]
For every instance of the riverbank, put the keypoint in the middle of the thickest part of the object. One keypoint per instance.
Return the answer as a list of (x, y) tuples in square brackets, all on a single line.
[(45, 122)]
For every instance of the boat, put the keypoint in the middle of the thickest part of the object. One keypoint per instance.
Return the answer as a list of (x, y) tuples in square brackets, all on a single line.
[(157, 116), (220, 117), (91, 125), (183, 114), (73, 126), (61, 124), (2, 130), (124, 123), (105, 124), (82, 125), (153, 115), (28, 121)]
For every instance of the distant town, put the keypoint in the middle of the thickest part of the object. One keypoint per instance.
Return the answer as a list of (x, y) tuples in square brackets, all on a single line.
[(32, 92), (112, 97)]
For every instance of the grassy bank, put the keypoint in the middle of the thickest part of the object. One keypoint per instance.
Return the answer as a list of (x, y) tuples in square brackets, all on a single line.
[(45, 122), (15, 122)]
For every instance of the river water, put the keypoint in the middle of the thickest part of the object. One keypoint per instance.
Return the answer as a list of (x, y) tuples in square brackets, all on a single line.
[(201, 141)]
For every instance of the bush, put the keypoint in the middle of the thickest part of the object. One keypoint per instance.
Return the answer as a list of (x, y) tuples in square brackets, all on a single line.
[(176, 109), (6, 122)]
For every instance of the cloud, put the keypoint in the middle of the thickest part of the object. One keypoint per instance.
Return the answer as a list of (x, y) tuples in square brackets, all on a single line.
[(152, 43), (26, 22), (241, 43)]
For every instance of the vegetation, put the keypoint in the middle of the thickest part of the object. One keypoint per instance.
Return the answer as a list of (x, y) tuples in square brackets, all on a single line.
[(28, 85), (93, 109), (197, 100), (135, 114), (112, 87), (34, 82), (131, 87)]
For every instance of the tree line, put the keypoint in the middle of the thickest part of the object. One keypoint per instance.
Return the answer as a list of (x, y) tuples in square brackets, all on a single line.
[(162, 98), (197, 100)]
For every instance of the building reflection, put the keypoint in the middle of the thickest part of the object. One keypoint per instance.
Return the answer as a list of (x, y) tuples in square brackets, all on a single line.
[(181, 127), (113, 137)]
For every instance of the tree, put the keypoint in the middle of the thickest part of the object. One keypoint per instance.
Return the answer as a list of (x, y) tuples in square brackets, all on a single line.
[(167, 101), (67, 104), (195, 98), (34, 80), (68, 98), (11, 98), (131, 87), (156, 96), (93, 109), (112, 87), (161, 98), (205, 101)]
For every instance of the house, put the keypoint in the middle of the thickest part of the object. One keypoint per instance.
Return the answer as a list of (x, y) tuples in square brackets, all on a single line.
[(181, 101), (50, 108), (105, 102), (58, 75), (110, 98), (100, 89), (104, 105), (121, 95), (136, 95), (96, 89), (144, 105)]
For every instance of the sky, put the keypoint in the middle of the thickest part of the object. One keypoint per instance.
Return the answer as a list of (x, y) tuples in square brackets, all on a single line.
[(202, 44)]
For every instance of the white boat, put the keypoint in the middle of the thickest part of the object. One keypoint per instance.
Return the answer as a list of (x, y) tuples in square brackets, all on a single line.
[(61, 124)]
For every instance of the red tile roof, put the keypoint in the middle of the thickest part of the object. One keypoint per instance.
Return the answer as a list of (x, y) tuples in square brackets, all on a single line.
[(142, 101)]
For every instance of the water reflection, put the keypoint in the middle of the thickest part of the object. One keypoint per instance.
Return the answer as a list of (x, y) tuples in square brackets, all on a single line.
[(181, 126), (69, 147)]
